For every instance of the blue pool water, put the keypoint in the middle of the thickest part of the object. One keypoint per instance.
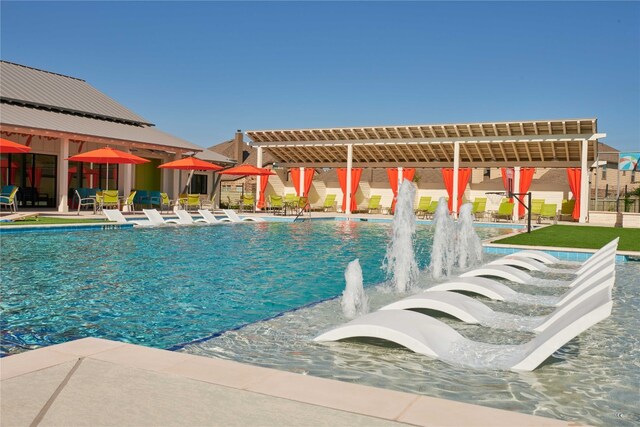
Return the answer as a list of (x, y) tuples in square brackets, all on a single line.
[(167, 286)]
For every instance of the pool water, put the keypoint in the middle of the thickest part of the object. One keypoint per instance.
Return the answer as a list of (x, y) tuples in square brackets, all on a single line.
[(162, 287), (259, 293)]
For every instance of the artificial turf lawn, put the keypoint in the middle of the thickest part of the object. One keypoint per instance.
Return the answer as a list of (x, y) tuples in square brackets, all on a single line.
[(573, 236), (43, 220)]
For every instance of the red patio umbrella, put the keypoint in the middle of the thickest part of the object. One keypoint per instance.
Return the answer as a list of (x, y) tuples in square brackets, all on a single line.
[(108, 155), (190, 164), (7, 147), (246, 170)]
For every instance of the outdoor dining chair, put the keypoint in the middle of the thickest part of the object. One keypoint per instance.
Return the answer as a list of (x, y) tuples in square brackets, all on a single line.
[(8, 197)]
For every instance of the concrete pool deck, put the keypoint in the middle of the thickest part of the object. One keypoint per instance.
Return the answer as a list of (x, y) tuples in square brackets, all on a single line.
[(94, 381)]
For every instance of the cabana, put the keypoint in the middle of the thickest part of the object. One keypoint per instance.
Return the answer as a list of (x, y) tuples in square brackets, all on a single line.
[(562, 143)]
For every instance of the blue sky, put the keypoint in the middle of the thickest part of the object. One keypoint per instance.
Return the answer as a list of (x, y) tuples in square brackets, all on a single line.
[(201, 70)]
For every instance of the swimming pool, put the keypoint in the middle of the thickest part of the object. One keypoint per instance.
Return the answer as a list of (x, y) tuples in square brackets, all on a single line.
[(194, 288)]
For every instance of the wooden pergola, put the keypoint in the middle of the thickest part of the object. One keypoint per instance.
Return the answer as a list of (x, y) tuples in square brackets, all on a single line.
[(560, 143)]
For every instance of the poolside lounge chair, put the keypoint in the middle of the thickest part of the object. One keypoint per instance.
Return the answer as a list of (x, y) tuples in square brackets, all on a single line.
[(431, 210), (275, 203), (156, 219), (209, 202), (505, 211), (431, 337), (21, 216), (328, 205), (115, 215), (191, 202), (536, 208), (107, 198), (210, 218), (128, 202), (8, 197), (84, 201), (165, 202), (233, 216), (423, 205), (374, 203), (548, 211), (185, 218), (479, 209), (248, 203), (566, 210)]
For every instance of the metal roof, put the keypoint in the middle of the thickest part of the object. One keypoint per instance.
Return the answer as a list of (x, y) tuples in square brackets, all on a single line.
[(538, 143), (39, 121), (30, 86), (212, 156)]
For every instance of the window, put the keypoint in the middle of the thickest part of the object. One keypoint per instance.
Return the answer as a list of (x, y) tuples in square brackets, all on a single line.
[(487, 173), (198, 184), (604, 171)]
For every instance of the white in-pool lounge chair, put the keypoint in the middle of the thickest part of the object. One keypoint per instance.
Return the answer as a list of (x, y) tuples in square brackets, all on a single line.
[(157, 219), (499, 292), (470, 310), (115, 215), (521, 262), (210, 218), (502, 271), (186, 218), (233, 216), (431, 337)]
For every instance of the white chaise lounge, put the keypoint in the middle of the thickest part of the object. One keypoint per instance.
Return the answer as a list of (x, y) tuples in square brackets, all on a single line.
[(233, 216), (115, 215), (157, 219), (210, 218), (431, 337), (186, 218)]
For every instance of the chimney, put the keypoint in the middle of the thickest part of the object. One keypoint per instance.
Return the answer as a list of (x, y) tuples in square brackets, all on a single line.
[(239, 144)]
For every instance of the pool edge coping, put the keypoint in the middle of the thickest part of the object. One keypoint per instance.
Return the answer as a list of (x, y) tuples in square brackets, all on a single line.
[(402, 407)]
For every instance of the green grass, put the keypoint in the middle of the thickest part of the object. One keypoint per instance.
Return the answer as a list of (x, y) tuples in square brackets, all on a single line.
[(44, 220), (571, 236)]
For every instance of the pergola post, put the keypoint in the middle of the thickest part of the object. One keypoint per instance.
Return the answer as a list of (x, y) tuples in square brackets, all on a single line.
[(400, 178), (456, 167), (258, 178), (301, 183), (126, 176), (63, 175), (347, 209), (516, 189), (584, 184)]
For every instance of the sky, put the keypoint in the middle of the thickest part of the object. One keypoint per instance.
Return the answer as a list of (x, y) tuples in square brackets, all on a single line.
[(200, 70)]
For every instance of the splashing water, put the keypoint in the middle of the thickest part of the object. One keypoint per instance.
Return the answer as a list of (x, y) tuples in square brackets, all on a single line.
[(354, 301), (400, 261), (468, 247), (442, 253)]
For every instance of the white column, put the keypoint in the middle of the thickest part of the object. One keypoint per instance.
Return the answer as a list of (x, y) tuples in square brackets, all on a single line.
[(301, 183), (347, 209), (63, 175), (176, 179), (127, 174), (584, 184), (400, 179), (259, 178), (456, 167), (516, 189)]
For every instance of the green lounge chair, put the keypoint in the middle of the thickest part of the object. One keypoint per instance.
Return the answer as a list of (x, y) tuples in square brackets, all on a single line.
[(548, 211), (536, 208), (374, 204), (479, 209), (329, 203), (193, 202), (107, 199), (248, 203), (8, 197), (128, 202), (165, 201), (275, 203), (566, 211), (505, 211), (423, 205)]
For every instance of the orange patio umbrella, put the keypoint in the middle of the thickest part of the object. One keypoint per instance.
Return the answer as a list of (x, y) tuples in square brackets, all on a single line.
[(108, 155), (246, 170), (190, 164), (8, 147)]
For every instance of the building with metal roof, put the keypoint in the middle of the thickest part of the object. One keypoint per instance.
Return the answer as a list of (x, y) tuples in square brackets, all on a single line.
[(59, 116)]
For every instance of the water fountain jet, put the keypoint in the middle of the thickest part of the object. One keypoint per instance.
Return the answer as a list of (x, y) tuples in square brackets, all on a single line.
[(354, 301)]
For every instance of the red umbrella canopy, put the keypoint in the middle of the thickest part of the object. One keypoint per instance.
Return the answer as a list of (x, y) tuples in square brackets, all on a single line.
[(191, 163), (246, 170), (108, 155), (7, 147)]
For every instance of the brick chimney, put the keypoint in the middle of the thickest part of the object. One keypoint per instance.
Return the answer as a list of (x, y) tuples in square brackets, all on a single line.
[(239, 146)]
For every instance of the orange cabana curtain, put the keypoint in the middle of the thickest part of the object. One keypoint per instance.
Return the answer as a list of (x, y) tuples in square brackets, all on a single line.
[(295, 177), (356, 173), (526, 176), (463, 179), (308, 179), (392, 173), (264, 180), (575, 176)]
